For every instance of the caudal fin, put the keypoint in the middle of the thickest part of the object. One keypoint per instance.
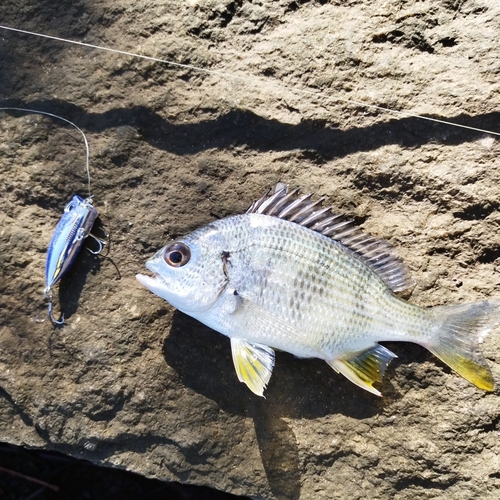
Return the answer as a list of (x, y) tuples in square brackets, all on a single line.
[(463, 328)]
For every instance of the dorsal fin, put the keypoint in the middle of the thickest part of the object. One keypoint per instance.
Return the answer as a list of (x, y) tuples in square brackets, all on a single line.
[(376, 253)]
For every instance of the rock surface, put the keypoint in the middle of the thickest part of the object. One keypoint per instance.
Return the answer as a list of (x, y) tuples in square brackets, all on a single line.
[(128, 382)]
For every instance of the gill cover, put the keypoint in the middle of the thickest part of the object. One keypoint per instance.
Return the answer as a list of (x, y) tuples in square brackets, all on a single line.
[(189, 273)]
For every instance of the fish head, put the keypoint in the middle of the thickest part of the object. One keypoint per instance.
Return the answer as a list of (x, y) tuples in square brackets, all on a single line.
[(189, 272)]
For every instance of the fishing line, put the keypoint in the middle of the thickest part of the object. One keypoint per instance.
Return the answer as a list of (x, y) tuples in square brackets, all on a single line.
[(87, 149), (249, 79), (73, 228)]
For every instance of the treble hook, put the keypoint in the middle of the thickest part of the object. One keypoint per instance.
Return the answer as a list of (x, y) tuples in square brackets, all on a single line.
[(54, 320), (48, 295), (100, 242)]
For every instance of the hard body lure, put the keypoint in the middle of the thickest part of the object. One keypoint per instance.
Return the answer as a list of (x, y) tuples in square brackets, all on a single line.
[(71, 230), (74, 226)]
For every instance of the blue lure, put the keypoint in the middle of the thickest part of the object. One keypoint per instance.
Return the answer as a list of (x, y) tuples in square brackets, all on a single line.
[(74, 226), (68, 238)]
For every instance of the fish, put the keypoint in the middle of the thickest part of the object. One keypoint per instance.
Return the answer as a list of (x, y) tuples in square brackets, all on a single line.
[(290, 275)]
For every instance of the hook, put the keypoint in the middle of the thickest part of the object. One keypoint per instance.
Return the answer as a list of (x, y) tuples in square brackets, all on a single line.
[(100, 242), (37, 320), (49, 315), (48, 294)]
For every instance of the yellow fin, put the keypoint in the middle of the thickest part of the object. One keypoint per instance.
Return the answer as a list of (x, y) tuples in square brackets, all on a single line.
[(254, 364), (474, 372), (462, 329), (365, 367)]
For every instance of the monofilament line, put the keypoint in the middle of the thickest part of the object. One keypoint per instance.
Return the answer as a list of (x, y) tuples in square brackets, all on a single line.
[(87, 149), (250, 79)]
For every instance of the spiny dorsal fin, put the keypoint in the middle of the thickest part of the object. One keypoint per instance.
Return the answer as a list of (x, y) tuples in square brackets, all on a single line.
[(376, 253)]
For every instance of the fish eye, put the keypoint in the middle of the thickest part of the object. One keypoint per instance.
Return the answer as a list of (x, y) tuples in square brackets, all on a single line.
[(177, 254)]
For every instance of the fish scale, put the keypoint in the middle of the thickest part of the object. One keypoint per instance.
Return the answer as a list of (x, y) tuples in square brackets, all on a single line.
[(289, 275), (353, 293)]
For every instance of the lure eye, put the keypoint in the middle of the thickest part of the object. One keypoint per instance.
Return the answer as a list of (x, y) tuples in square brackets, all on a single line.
[(177, 254), (69, 207)]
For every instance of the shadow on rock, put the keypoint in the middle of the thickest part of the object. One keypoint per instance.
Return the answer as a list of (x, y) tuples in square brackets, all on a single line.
[(280, 455), (72, 283), (319, 140), (298, 389)]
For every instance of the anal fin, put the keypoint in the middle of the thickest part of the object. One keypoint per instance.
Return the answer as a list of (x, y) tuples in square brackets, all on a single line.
[(363, 368), (254, 364)]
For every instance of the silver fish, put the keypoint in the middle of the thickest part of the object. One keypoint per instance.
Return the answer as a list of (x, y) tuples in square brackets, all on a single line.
[(289, 275)]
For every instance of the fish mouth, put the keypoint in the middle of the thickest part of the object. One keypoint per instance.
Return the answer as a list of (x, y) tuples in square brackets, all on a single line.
[(148, 281), (152, 283)]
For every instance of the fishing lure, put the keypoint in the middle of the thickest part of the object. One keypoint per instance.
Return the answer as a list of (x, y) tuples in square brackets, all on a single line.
[(71, 230), (73, 227)]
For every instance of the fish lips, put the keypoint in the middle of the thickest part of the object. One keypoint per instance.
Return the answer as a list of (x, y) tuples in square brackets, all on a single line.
[(159, 286), (147, 281), (156, 284)]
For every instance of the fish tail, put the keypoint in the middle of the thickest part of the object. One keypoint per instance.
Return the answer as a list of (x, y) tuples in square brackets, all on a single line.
[(462, 328)]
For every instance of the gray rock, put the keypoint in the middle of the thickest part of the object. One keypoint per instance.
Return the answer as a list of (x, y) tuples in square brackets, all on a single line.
[(128, 382)]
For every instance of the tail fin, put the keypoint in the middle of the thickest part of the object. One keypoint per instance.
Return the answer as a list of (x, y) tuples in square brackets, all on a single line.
[(463, 328)]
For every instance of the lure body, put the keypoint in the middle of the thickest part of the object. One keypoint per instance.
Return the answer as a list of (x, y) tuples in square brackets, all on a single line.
[(71, 230)]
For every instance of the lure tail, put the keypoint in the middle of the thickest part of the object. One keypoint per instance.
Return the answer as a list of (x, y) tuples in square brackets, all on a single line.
[(463, 328)]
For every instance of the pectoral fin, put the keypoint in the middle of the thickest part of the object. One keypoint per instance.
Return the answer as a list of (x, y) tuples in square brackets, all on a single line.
[(365, 367), (254, 364)]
